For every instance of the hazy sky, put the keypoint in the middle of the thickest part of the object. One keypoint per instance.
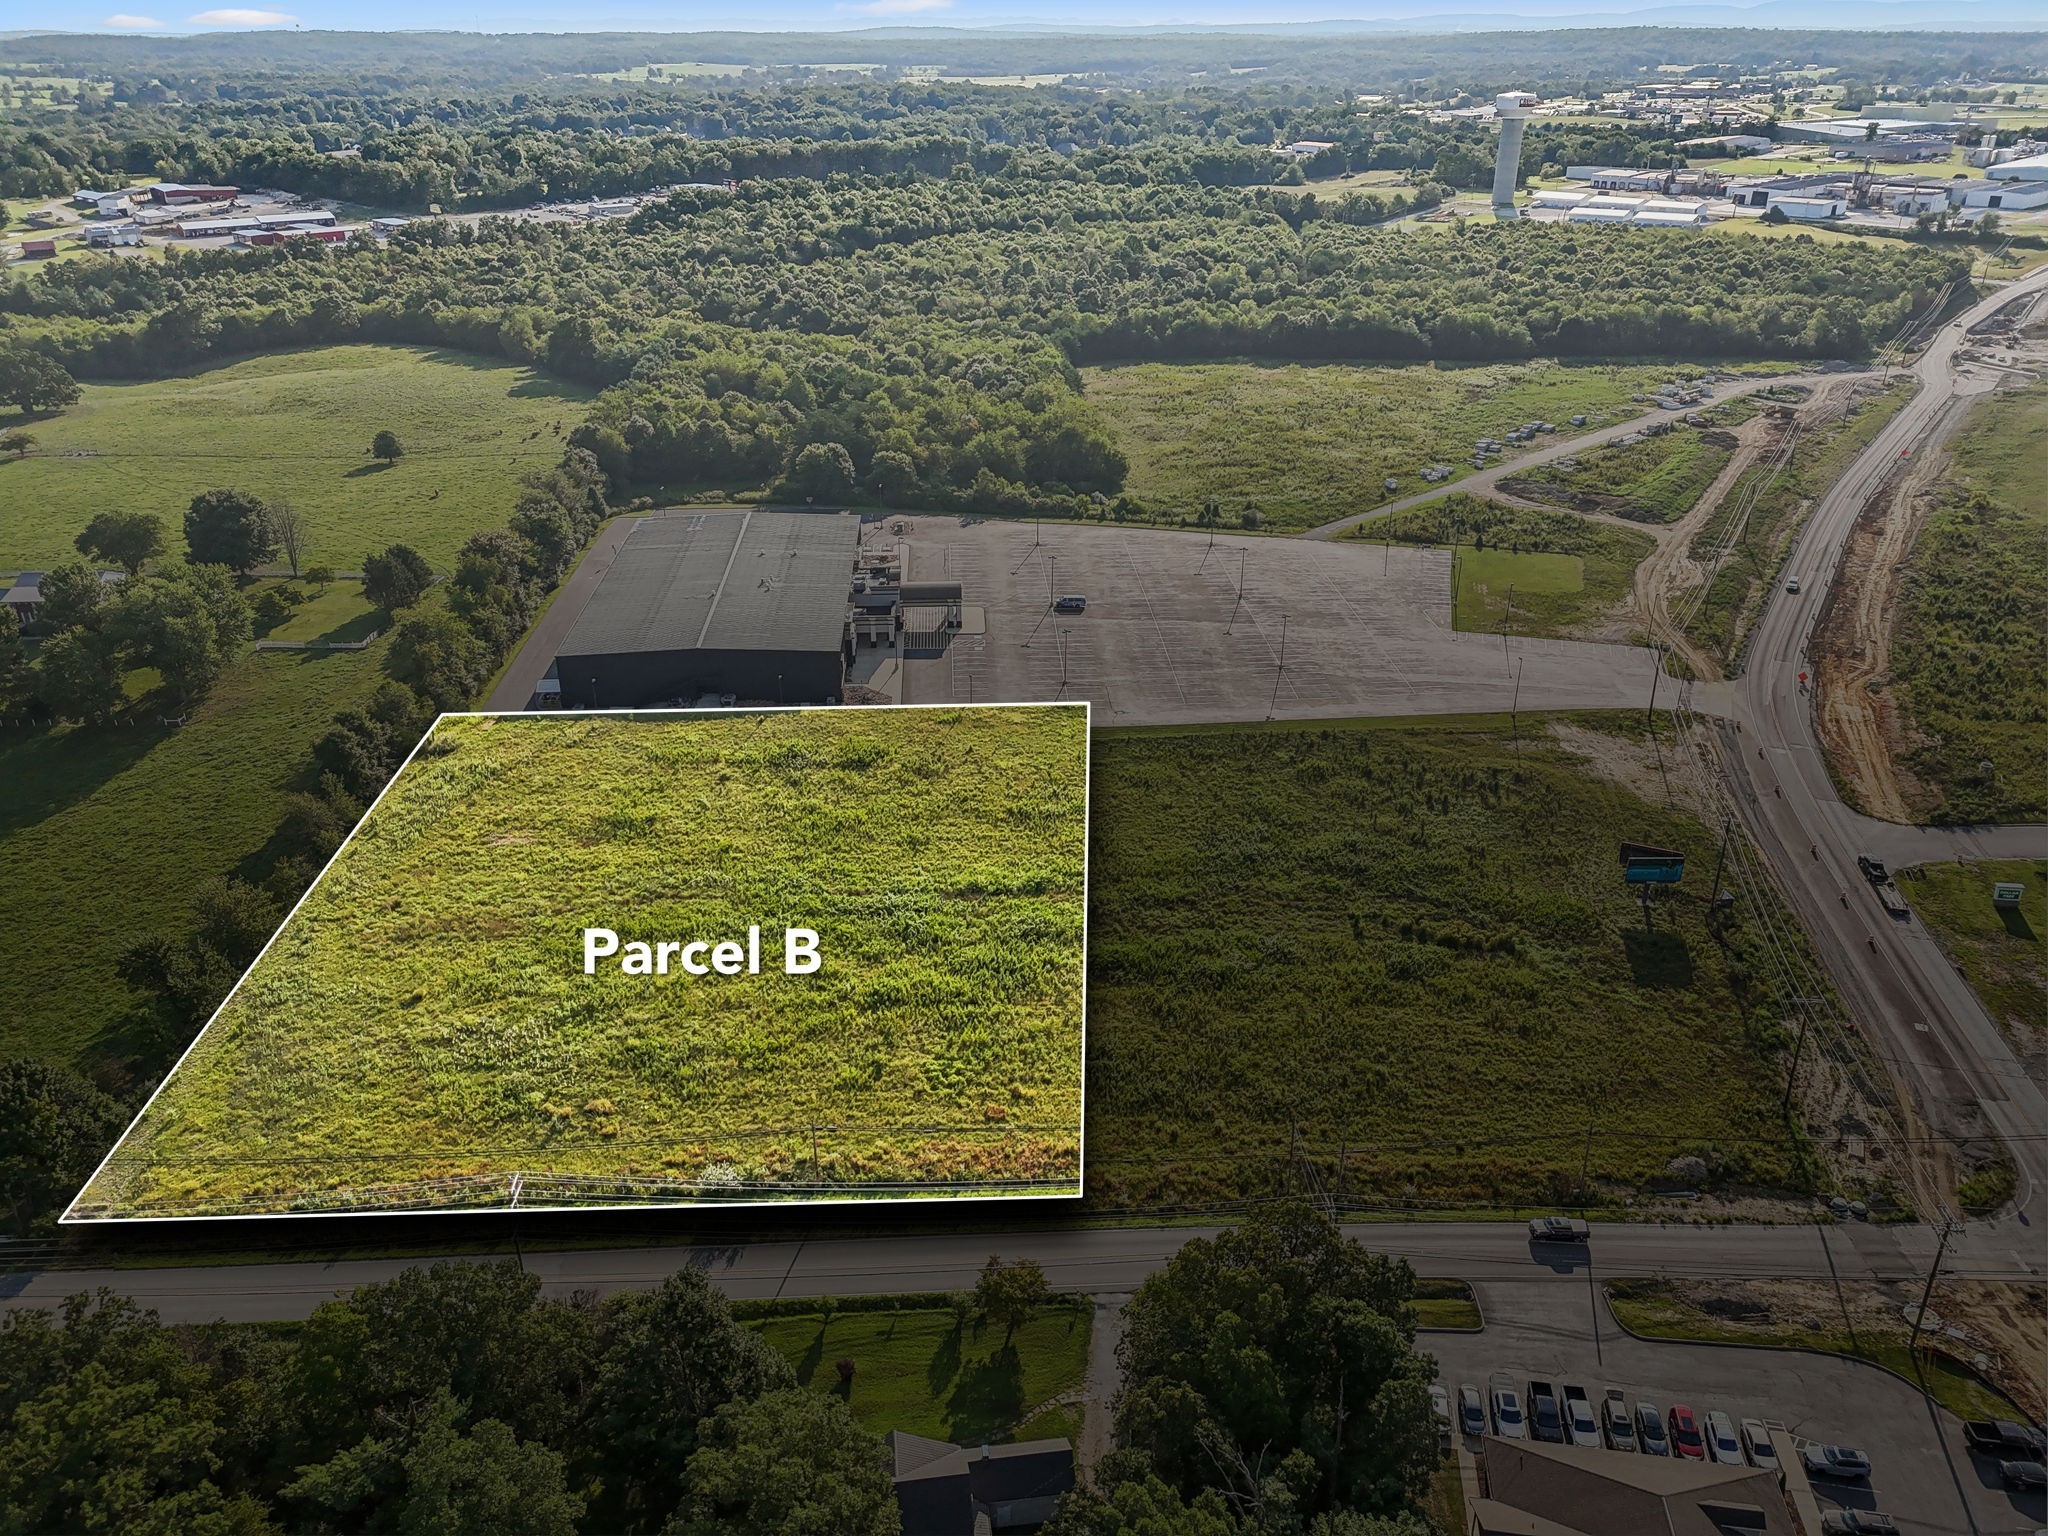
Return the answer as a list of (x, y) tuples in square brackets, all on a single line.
[(808, 15), (655, 15)]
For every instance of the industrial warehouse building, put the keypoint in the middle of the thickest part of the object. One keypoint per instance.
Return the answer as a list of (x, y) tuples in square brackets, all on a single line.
[(747, 604)]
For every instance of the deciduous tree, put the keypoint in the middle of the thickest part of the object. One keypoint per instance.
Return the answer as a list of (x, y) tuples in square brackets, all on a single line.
[(125, 538), (230, 528)]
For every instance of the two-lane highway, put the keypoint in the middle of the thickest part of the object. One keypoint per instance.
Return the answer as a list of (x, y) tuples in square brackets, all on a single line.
[(1090, 1260), (1943, 1048)]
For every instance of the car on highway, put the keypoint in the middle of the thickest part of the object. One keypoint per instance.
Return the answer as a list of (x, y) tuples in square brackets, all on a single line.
[(1792, 585), (2023, 1474), (1615, 1420), (1758, 1444), (1858, 1522), (1471, 1410), (1508, 1422), (1650, 1430), (1559, 1229), (1580, 1426), (1838, 1461), (1686, 1440), (1723, 1447)]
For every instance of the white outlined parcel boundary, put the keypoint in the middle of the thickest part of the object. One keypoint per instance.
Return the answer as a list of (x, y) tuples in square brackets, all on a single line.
[(560, 964)]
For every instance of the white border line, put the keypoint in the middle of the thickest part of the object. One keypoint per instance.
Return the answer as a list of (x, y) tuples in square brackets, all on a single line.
[(1080, 1138)]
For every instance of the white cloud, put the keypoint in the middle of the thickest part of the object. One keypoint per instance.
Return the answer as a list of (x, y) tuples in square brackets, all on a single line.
[(236, 18), (901, 7), (133, 23)]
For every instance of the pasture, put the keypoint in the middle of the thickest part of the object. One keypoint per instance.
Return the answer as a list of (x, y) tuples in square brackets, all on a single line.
[(295, 425), (122, 825), (1967, 649), (1309, 443), (430, 1013), (1401, 955)]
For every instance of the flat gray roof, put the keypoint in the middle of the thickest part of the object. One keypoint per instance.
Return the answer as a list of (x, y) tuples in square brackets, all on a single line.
[(723, 581)]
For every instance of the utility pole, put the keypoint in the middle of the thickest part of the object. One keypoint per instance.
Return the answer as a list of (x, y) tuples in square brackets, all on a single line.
[(1805, 1007), (1280, 671), (1949, 1227), (1656, 667), (1515, 709), (1714, 890), (1507, 627)]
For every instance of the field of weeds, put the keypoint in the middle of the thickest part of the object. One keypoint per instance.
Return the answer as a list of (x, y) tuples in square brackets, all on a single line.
[(425, 1018), (1399, 958)]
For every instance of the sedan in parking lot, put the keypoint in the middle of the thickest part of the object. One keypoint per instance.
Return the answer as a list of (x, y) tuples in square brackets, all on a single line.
[(1756, 1440), (1722, 1446), (2023, 1474), (1508, 1422), (1650, 1430), (1686, 1440), (1836, 1461), (1440, 1406), (1858, 1522), (1614, 1419), (1471, 1410)]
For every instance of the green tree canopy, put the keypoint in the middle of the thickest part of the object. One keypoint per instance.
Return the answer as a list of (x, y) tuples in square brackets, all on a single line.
[(33, 382), (786, 1463), (396, 579), (54, 1128), (386, 446), (126, 538), (1277, 1361), (230, 528)]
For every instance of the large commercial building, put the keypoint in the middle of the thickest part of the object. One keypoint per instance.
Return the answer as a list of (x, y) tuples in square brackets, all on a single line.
[(747, 604)]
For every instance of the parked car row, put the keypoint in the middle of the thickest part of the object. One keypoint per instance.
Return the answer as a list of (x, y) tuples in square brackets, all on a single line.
[(1567, 1415)]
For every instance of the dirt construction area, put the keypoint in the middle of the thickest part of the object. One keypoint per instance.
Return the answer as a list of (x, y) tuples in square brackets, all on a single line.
[(1181, 628)]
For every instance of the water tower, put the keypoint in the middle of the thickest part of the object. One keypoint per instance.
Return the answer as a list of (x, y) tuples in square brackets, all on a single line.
[(1512, 109)]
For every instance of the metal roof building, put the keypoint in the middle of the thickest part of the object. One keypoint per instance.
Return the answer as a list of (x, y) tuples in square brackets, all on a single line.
[(751, 604)]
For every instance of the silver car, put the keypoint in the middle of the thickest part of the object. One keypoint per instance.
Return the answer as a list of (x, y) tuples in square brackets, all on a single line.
[(1756, 1440), (1508, 1421), (1723, 1445)]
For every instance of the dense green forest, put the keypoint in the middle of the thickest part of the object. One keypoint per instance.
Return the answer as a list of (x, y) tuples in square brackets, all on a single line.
[(929, 325)]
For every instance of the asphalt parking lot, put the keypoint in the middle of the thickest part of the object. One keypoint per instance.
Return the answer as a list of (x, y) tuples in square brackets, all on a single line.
[(1182, 627), (1922, 1473)]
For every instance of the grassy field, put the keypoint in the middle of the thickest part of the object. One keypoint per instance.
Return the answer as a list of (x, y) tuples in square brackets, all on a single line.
[(427, 1014), (1655, 481), (1967, 648), (1568, 573), (938, 1374), (1777, 504), (1445, 1304), (1306, 443), (123, 825), (2003, 953), (1654, 1309), (1411, 943), (296, 425)]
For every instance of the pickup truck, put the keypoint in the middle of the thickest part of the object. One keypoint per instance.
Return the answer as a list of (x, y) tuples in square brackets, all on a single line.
[(1545, 1421), (1621, 1429), (1580, 1427), (1559, 1229), (2002, 1437), (1873, 869)]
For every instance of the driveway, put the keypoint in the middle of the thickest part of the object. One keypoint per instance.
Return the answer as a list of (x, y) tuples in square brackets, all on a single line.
[(1924, 1476)]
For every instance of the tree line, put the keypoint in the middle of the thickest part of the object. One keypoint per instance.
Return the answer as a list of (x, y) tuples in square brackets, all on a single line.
[(1271, 1388)]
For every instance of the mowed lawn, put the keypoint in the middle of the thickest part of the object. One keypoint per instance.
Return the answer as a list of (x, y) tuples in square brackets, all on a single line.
[(112, 830), (1412, 942), (295, 425), (1309, 443), (426, 1014), (929, 1372)]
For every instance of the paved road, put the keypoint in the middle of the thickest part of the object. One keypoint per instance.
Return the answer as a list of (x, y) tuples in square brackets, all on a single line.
[(1097, 1261), (1484, 480), (1923, 1474), (1918, 1012)]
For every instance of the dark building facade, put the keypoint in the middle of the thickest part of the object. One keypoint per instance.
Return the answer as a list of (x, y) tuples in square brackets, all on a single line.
[(751, 604)]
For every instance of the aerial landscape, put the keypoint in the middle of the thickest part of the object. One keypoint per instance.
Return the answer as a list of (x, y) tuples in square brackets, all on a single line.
[(904, 770)]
